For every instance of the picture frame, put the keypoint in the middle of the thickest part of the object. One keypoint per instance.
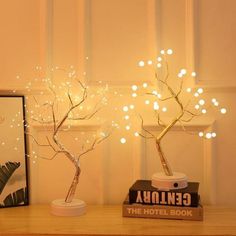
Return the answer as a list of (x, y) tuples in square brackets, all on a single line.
[(13, 149)]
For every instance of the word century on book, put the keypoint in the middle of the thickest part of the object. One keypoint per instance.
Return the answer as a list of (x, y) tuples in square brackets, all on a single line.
[(164, 198)]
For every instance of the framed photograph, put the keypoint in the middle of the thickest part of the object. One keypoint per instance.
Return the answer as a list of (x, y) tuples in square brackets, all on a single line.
[(13, 164)]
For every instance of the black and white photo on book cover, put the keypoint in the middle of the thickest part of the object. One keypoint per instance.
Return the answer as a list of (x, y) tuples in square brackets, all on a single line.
[(13, 152)]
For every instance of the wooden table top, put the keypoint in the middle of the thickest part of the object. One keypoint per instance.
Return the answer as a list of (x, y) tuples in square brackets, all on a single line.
[(108, 220)]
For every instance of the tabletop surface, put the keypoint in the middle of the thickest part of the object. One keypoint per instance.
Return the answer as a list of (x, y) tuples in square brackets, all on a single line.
[(108, 220)]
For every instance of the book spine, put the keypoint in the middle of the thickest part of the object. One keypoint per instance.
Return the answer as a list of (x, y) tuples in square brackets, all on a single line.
[(168, 198), (163, 212)]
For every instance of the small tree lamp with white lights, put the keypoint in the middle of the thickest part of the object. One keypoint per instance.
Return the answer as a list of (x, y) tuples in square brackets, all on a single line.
[(67, 103), (188, 105)]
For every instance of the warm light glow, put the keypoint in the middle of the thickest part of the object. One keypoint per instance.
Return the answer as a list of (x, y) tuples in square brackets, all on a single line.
[(136, 134), (196, 94), (123, 140), (159, 59), (155, 106), (223, 110), (200, 90), (216, 104), (180, 75), (127, 127), (208, 135), (169, 51), (134, 87), (213, 100), (200, 134), (201, 102), (126, 117), (159, 65), (193, 74), (197, 107), (134, 95), (125, 108), (145, 85), (213, 134), (204, 111), (131, 106), (162, 52), (149, 62), (147, 102), (141, 63), (189, 90), (155, 92), (183, 71), (164, 109)]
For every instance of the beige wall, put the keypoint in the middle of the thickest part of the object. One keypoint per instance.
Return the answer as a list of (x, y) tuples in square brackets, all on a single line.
[(114, 35)]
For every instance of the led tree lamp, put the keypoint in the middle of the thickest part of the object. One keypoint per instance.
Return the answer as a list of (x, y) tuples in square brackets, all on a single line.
[(187, 109), (61, 118)]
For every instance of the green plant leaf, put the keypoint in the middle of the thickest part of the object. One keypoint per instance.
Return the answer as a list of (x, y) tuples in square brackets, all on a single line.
[(16, 198), (6, 172)]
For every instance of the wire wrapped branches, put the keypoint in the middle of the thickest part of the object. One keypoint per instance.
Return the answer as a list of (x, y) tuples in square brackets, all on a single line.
[(185, 107), (60, 115)]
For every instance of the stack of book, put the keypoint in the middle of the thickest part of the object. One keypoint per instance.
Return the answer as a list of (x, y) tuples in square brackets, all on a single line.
[(146, 201)]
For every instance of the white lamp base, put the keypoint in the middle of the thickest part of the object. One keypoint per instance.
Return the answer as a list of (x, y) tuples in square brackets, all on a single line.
[(61, 208), (165, 182)]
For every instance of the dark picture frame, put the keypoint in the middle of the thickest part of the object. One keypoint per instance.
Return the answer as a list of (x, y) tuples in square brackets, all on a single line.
[(13, 152)]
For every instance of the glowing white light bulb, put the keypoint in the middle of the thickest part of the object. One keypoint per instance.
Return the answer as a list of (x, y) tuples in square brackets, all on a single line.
[(127, 127), (134, 95), (141, 63), (159, 95), (204, 111), (193, 74), (200, 134), (180, 75), (123, 140), (149, 62), (183, 71), (169, 51), (136, 134), (134, 87), (216, 104), (155, 106), (145, 85), (197, 107), (125, 108), (164, 109), (223, 110), (159, 59), (131, 106), (208, 135), (162, 52), (126, 117), (147, 102), (196, 94), (213, 134), (213, 100), (200, 90), (201, 102), (159, 65), (154, 92), (189, 90)]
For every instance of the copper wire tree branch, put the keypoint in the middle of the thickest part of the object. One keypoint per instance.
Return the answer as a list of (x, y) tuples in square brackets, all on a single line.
[(166, 127), (57, 145), (184, 112)]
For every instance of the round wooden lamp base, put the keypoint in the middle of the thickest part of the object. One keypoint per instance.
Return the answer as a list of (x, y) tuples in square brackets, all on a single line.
[(61, 208), (164, 182)]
